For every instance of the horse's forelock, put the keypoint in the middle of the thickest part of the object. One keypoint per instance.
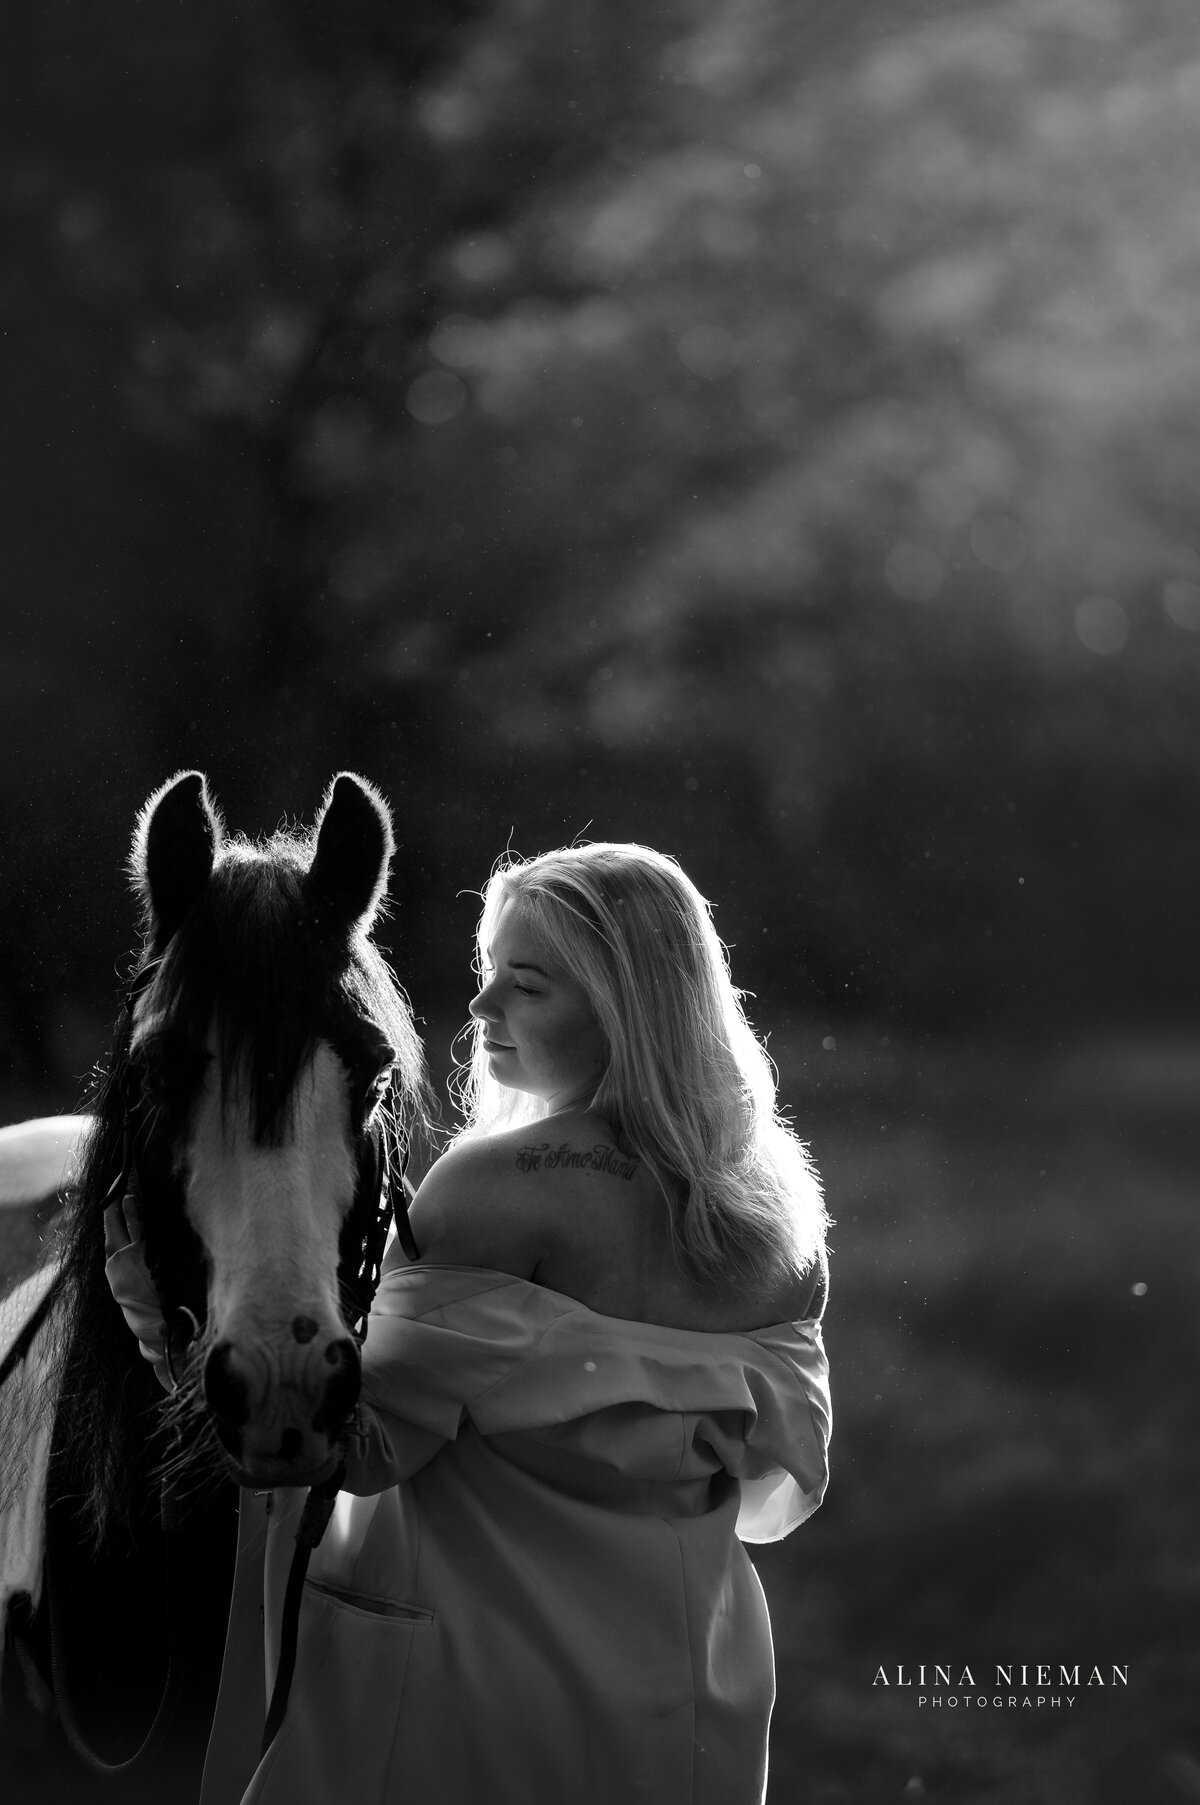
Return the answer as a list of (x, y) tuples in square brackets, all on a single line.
[(256, 964)]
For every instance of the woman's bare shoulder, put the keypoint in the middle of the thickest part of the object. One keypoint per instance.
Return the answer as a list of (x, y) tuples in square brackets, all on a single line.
[(561, 1202), (578, 1141), (495, 1200)]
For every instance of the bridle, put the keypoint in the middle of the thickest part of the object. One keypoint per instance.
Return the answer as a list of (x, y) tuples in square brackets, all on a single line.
[(381, 1201), (391, 1192)]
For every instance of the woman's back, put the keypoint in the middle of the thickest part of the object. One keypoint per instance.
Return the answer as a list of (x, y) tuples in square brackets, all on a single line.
[(561, 1202)]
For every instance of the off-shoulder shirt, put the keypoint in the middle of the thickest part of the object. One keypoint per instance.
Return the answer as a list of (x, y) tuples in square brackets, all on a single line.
[(533, 1588)]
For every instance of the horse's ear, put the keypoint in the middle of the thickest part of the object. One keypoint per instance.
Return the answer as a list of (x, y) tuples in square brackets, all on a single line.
[(178, 833), (354, 845)]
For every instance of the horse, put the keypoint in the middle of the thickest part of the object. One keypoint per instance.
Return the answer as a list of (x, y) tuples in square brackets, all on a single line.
[(246, 1129)]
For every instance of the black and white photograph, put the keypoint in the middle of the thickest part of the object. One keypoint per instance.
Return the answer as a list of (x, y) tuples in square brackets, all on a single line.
[(599, 950)]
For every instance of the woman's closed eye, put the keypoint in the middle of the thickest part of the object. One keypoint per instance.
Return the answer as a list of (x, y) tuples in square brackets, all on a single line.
[(489, 975)]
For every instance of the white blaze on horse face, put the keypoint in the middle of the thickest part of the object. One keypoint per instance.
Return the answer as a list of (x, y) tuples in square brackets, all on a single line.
[(270, 1217)]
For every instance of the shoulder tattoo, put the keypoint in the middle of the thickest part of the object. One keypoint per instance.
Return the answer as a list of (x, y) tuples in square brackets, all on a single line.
[(600, 1158)]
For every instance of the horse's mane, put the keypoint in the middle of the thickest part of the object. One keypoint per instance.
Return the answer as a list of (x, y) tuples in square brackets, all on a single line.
[(255, 960)]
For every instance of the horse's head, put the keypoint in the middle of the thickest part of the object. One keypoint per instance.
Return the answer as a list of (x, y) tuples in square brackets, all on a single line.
[(263, 1039)]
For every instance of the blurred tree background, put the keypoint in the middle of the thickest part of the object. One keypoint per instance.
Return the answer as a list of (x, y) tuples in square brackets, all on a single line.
[(764, 430), (767, 429)]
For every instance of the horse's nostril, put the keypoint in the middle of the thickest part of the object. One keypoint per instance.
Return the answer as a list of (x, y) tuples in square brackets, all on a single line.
[(341, 1390), (343, 1355), (226, 1392), (303, 1328)]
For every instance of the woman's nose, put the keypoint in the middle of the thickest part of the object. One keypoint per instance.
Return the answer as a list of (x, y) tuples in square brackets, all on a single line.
[(481, 1006)]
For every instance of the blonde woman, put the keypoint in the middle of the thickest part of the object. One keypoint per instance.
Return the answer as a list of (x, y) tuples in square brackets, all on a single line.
[(603, 1373)]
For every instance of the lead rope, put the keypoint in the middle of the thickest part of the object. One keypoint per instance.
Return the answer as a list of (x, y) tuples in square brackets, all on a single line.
[(318, 1506)]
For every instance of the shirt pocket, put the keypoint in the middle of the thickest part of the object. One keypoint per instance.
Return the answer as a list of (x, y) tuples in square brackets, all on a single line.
[(352, 1657), (369, 1605)]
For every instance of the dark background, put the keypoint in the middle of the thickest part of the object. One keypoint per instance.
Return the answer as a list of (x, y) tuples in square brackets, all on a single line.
[(769, 432)]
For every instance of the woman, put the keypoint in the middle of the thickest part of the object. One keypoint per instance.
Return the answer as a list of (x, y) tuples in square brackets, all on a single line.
[(604, 1369)]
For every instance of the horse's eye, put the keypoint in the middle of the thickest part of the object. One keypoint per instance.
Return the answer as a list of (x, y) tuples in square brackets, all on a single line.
[(378, 1088), (372, 1087), (369, 1059), (147, 1059), (169, 1064)]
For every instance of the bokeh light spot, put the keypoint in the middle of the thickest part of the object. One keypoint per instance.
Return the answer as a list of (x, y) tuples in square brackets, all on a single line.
[(435, 397), (998, 541), (914, 571), (1140, 1289), (1181, 601), (485, 259), (81, 220), (460, 341), (1103, 625), (450, 115), (707, 351)]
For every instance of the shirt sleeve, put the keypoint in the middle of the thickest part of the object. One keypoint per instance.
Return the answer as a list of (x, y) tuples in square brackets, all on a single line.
[(447, 1344), (425, 1357), (134, 1292)]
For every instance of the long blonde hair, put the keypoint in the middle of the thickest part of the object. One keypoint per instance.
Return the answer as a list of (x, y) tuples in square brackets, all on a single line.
[(688, 1087)]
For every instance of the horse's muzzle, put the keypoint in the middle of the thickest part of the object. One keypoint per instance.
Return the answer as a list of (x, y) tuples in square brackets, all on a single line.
[(279, 1412)]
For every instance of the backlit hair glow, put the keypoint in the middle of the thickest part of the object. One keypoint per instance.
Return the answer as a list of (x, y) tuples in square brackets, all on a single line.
[(688, 1086)]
